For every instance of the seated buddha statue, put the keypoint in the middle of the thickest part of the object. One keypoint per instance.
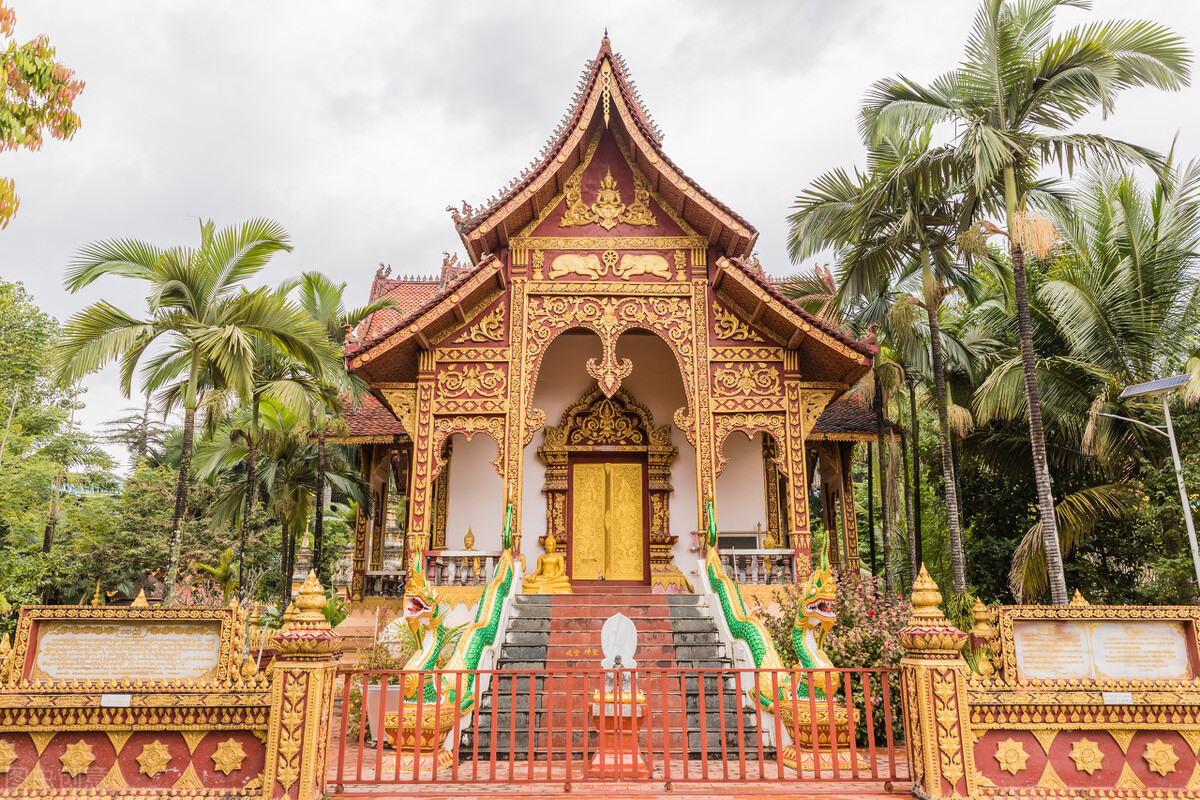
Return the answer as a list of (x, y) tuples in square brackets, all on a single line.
[(551, 575)]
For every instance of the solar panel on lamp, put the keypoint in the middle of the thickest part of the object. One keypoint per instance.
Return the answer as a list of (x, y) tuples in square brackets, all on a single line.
[(1160, 386)]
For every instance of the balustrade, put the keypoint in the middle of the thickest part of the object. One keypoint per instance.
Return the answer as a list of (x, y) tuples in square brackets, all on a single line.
[(760, 567), (442, 568)]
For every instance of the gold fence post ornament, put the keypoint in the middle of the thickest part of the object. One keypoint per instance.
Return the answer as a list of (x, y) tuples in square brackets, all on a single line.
[(934, 681), (303, 678)]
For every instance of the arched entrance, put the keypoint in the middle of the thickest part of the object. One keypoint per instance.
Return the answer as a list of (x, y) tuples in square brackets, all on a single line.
[(608, 482)]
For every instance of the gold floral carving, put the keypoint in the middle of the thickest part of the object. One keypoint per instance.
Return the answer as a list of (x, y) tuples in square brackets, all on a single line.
[(750, 424), (1012, 756), (472, 379), (1086, 755), (153, 759), (402, 401), (746, 379), (727, 325), (609, 317), (77, 758), (815, 403), (228, 756), (468, 426), (8, 754), (1160, 757), (291, 729), (608, 210), (488, 329)]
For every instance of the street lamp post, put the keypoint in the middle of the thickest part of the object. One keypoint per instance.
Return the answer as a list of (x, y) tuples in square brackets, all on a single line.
[(1162, 388)]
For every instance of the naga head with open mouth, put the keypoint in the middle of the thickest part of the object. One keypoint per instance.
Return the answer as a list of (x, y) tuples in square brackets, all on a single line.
[(422, 611)]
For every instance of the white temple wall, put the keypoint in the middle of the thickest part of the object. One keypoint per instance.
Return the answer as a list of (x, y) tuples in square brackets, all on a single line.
[(741, 487), (476, 493)]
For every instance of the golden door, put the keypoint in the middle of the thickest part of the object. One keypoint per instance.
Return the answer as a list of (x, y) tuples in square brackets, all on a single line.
[(607, 528)]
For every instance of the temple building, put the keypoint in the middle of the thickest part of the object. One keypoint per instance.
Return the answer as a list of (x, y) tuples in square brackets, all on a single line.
[(609, 354)]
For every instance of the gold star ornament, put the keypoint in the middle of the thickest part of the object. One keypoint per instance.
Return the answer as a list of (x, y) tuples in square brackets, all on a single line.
[(1012, 756), (228, 756), (1160, 757), (1086, 755), (77, 759), (8, 754), (154, 758)]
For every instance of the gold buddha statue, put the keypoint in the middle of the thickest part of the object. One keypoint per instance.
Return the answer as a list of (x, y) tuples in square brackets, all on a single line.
[(551, 576)]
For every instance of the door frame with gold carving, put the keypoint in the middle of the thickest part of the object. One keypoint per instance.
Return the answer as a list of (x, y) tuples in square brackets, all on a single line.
[(615, 428)]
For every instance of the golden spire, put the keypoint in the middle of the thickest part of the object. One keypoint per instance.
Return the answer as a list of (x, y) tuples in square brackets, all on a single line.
[(926, 598), (98, 597)]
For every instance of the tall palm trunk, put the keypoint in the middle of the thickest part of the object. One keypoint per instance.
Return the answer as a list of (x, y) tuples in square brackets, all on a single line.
[(957, 561), (251, 492), (915, 425), (143, 444), (885, 517), (913, 568), (181, 499), (871, 503), (1037, 439), (319, 522)]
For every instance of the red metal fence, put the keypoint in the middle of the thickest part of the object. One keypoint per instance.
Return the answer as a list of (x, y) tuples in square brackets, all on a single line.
[(692, 725)]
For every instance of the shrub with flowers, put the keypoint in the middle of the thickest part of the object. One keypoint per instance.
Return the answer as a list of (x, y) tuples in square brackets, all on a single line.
[(864, 637)]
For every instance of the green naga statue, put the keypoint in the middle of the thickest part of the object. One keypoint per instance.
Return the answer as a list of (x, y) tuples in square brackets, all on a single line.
[(814, 619), (432, 702)]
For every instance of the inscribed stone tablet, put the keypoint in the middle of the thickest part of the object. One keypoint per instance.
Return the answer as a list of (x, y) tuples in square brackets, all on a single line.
[(105, 650), (1140, 649), (1050, 650), (1101, 650)]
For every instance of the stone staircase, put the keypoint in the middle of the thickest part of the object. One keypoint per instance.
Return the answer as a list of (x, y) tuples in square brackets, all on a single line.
[(560, 635)]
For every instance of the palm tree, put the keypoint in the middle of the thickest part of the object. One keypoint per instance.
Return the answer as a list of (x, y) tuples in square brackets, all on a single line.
[(286, 472), (897, 219), (281, 378), (324, 301), (1016, 92), (200, 321), (1109, 311)]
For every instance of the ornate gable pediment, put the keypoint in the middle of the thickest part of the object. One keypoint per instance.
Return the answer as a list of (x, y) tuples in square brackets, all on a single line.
[(606, 101), (599, 420)]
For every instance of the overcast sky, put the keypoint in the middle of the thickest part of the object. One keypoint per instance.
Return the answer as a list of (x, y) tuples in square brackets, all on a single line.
[(354, 124)]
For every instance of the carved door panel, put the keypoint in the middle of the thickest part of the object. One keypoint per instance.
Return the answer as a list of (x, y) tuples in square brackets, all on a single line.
[(608, 523)]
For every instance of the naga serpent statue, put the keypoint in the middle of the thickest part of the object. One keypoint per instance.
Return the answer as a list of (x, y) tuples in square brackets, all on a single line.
[(774, 684), (439, 700)]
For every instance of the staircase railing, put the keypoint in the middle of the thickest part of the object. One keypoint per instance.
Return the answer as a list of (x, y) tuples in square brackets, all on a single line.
[(483, 633), (742, 625)]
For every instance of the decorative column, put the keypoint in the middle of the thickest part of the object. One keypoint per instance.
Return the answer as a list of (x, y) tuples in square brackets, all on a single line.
[(848, 513), (799, 538), (934, 681), (425, 459), (359, 574), (303, 680)]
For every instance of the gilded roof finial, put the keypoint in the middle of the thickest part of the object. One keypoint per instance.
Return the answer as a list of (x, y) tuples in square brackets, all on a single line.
[(604, 43), (98, 597)]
